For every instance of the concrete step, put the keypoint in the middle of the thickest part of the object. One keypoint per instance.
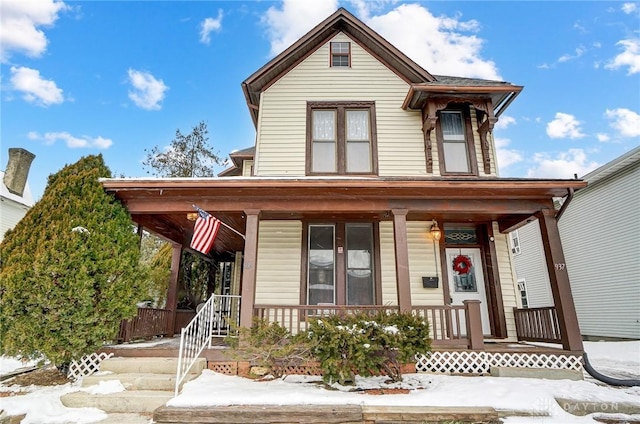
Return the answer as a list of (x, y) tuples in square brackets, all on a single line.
[(127, 419), (122, 365), (137, 401), (138, 381)]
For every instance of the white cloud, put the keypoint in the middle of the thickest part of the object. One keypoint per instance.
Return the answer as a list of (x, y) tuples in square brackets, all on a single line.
[(602, 137), (563, 165), (629, 8), (564, 126), (630, 56), (35, 89), (506, 157), (296, 18), (442, 45), (625, 121), (148, 92), (503, 122), (209, 25), (20, 21), (71, 141), (567, 57)]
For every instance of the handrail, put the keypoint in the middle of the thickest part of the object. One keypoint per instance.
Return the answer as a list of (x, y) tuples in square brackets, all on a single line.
[(193, 339)]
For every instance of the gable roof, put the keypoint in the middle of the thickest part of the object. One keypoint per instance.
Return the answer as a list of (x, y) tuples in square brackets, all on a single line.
[(340, 21), (238, 157), (613, 167), (26, 199)]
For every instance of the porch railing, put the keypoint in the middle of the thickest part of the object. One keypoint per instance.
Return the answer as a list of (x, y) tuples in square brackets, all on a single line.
[(448, 324), (216, 317), (537, 324), (149, 322)]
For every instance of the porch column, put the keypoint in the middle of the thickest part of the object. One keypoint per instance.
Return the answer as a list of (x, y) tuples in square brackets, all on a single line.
[(560, 288), (249, 268), (172, 292), (402, 258)]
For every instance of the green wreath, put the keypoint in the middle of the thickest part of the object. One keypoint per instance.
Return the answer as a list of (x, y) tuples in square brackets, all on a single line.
[(462, 264)]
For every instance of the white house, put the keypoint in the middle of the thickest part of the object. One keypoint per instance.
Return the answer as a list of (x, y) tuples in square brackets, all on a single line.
[(600, 233), (15, 195)]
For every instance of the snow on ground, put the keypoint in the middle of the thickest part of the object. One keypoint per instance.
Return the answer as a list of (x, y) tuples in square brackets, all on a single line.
[(42, 404)]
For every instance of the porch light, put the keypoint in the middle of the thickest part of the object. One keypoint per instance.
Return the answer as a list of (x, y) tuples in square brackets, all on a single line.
[(435, 232), (192, 216)]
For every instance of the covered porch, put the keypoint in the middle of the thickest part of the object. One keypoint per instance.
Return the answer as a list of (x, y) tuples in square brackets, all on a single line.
[(493, 206)]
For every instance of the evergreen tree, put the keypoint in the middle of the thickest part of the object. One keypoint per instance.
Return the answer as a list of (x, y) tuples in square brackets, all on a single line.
[(69, 271)]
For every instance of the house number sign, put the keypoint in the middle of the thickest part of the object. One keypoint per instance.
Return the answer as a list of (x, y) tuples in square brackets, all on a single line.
[(560, 267)]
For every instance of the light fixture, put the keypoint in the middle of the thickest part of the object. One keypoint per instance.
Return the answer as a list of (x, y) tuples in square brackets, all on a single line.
[(435, 231), (192, 216)]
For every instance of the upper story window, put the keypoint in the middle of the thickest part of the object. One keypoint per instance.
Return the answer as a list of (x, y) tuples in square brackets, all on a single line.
[(341, 138), (455, 141), (340, 54)]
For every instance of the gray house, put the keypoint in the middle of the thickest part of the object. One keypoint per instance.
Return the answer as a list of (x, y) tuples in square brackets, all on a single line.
[(600, 233)]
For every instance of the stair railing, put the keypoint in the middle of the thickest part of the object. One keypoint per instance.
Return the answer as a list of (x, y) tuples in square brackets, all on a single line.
[(193, 339)]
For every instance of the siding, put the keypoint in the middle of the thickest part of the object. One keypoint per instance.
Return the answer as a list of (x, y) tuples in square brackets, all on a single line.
[(531, 265), (388, 264), (282, 123), (605, 271), (278, 263), (10, 214), (247, 167), (422, 264), (508, 282)]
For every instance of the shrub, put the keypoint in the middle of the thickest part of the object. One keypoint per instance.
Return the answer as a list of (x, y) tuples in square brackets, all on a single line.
[(366, 344)]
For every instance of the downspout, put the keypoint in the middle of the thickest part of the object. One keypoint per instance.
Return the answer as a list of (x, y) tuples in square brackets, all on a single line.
[(565, 204)]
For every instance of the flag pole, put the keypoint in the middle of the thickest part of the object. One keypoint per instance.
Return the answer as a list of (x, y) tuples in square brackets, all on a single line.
[(226, 225)]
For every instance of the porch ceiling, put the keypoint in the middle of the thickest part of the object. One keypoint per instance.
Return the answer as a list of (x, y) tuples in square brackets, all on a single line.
[(161, 205)]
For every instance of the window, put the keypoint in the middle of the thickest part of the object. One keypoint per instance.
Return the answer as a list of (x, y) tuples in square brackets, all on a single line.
[(522, 288), (340, 54), (515, 242), (340, 274), (455, 140), (341, 138)]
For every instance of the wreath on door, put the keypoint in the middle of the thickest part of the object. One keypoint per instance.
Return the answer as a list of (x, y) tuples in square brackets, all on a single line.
[(462, 264)]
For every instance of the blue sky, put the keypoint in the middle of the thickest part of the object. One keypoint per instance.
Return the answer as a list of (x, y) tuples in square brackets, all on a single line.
[(119, 77)]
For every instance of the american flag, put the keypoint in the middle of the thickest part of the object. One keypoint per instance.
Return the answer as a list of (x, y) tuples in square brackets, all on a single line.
[(204, 232)]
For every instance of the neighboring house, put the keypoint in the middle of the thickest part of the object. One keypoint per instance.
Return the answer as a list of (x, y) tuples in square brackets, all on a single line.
[(15, 195), (600, 233), (362, 160)]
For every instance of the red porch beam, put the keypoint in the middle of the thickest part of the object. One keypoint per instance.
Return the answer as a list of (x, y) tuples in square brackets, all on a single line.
[(248, 289), (402, 258), (559, 278)]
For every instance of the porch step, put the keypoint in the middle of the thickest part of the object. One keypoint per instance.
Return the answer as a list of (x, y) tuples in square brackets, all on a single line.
[(138, 381), (149, 383), (120, 365), (135, 401)]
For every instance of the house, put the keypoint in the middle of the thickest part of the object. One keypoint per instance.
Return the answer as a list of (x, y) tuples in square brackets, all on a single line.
[(605, 275), (372, 184), (15, 195)]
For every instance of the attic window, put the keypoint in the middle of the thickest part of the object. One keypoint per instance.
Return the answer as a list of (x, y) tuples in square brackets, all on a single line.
[(340, 54)]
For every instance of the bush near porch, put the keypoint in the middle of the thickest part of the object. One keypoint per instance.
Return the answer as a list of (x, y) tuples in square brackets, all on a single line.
[(343, 345)]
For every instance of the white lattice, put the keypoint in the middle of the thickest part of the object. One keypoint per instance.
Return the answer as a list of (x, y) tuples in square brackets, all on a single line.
[(87, 365), (470, 362)]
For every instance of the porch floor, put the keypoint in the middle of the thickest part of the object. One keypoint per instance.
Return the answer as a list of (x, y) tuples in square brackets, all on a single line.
[(168, 347)]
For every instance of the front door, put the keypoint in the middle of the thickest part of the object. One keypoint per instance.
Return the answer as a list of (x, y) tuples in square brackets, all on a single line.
[(466, 280)]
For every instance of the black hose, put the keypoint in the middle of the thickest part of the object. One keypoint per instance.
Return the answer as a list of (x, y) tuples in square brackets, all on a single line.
[(607, 380)]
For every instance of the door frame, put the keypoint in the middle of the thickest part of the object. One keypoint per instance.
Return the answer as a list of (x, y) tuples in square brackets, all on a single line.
[(493, 290)]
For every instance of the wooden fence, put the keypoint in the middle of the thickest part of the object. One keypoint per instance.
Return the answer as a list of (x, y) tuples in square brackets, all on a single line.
[(148, 323), (537, 324)]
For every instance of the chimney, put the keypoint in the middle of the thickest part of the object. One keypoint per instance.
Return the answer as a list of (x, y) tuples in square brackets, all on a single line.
[(15, 177)]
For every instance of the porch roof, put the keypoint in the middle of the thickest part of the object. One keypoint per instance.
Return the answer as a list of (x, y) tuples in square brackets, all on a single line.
[(161, 205)]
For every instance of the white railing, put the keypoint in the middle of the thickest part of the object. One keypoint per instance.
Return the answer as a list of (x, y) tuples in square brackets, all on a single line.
[(215, 318)]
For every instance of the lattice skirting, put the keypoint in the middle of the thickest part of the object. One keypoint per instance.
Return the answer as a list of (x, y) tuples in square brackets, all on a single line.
[(469, 362), (87, 365)]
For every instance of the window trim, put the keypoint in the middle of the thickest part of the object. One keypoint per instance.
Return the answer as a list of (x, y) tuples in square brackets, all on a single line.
[(469, 138), (523, 292), (340, 294), (341, 143), (332, 54)]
